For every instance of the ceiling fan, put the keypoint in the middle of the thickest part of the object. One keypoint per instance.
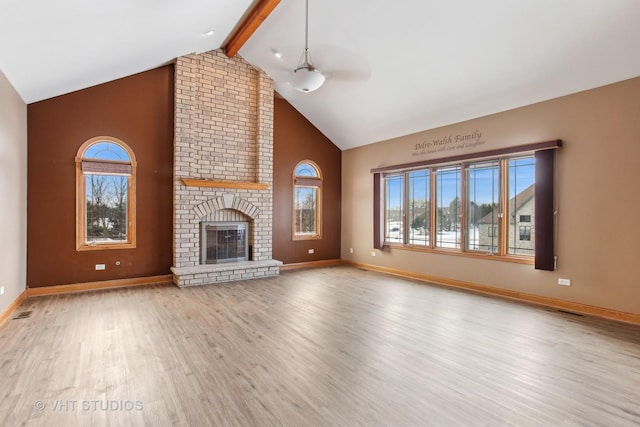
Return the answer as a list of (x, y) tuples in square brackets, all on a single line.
[(340, 66), (306, 77)]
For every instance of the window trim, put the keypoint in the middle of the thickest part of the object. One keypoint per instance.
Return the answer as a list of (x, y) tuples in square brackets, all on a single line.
[(81, 209), (502, 253), (378, 211), (503, 225), (539, 150), (483, 155), (302, 181)]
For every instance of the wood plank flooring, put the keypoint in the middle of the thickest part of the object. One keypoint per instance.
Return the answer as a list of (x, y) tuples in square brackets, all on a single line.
[(335, 346)]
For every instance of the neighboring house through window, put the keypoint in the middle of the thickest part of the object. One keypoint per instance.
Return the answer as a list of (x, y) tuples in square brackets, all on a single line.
[(525, 232), (307, 193), (105, 195)]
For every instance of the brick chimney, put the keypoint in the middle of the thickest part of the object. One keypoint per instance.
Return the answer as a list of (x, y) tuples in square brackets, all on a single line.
[(223, 164)]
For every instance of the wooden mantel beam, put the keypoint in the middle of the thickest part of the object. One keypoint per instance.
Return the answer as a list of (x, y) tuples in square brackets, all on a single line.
[(253, 20), (191, 182)]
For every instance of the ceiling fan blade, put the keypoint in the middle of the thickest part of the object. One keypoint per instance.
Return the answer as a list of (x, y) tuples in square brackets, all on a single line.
[(347, 75)]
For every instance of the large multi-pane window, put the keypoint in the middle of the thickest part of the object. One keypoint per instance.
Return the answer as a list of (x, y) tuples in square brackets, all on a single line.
[(307, 187), (484, 206), (105, 171)]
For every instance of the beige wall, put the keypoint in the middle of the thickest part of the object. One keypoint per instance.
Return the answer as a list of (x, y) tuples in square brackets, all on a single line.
[(13, 193), (597, 170)]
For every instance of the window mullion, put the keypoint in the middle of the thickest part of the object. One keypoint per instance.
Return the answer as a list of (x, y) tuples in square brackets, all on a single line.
[(464, 176), (503, 218), (433, 208), (405, 207)]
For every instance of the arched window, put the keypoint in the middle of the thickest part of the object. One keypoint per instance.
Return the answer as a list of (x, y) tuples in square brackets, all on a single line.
[(307, 193), (105, 195)]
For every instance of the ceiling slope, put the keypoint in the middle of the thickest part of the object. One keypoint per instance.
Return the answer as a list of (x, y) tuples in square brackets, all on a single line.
[(50, 48), (396, 68), (393, 68)]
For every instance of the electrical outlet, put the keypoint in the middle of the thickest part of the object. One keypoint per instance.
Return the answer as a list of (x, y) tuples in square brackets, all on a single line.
[(1, 290), (350, 250), (373, 253), (564, 282), (100, 267), (311, 251)]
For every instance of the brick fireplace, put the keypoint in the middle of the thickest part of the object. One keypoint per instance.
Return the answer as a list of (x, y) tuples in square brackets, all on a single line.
[(223, 164)]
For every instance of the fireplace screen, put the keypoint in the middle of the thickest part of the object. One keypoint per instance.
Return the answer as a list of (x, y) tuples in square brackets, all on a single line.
[(223, 242)]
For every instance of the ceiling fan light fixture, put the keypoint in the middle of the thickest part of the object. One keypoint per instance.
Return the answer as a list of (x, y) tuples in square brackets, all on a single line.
[(306, 77)]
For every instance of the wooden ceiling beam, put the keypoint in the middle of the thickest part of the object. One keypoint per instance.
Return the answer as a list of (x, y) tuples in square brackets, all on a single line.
[(251, 23)]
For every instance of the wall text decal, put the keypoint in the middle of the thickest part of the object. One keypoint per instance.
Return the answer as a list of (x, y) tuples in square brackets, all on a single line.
[(449, 143)]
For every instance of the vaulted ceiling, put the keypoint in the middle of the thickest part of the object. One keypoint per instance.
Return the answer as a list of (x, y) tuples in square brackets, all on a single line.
[(393, 68)]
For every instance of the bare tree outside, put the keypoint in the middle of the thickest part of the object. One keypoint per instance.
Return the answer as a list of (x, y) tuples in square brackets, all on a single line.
[(107, 197), (305, 210), (120, 189)]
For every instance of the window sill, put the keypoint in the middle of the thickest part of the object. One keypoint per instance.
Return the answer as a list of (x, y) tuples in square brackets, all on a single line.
[(314, 237), (477, 255), (104, 247)]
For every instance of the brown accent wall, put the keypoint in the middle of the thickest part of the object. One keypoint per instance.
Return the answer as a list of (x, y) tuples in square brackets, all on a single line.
[(296, 139), (139, 111)]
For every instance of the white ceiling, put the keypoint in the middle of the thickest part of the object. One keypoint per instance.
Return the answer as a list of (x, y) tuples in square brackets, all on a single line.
[(52, 47), (394, 68)]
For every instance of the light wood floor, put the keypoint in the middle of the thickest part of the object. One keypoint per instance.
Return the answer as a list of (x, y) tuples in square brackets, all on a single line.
[(333, 346)]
